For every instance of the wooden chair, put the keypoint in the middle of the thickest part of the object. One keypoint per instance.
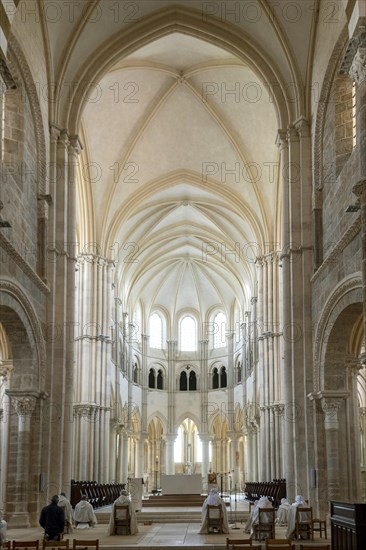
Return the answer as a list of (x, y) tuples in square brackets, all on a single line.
[(265, 528), (214, 517), (56, 544), (85, 544), (237, 544), (6, 545), (25, 544), (320, 526), (277, 544), (304, 523), (122, 518)]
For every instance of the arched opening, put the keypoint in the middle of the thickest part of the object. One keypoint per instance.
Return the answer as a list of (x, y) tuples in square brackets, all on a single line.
[(187, 448)]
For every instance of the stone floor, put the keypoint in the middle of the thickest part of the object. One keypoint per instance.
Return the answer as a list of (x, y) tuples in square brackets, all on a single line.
[(162, 535)]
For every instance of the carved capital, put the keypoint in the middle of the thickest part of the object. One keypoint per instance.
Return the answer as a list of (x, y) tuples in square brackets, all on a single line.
[(6, 368), (292, 134), (360, 190), (357, 70), (63, 139), (54, 133), (75, 146), (302, 126), (87, 411), (24, 405), (330, 406), (281, 139), (278, 409)]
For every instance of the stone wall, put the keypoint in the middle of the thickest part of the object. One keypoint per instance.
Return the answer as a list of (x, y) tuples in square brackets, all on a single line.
[(19, 182), (340, 229)]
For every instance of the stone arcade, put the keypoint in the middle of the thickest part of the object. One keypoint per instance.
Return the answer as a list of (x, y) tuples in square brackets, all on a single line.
[(183, 246)]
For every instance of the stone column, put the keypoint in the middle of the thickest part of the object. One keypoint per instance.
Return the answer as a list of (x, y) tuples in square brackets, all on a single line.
[(360, 191), (144, 382), (24, 403), (6, 367), (362, 414), (230, 380), (203, 350), (254, 470), (172, 434), (124, 450), (203, 435), (353, 367), (2, 93), (263, 447), (279, 410), (112, 470), (355, 63), (119, 463), (169, 453), (234, 467), (140, 466), (205, 439), (85, 415), (330, 406)]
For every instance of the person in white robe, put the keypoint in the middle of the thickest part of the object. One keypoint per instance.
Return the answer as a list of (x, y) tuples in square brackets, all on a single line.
[(84, 516), (3, 528), (263, 503), (214, 499), (64, 503), (291, 517), (124, 500), (282, 512), (248, 525)]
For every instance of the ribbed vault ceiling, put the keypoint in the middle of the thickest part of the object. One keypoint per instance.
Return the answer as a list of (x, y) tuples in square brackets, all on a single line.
[(180, 138)]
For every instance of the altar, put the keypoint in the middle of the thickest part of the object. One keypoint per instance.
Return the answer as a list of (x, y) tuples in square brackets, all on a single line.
[(181, 484)]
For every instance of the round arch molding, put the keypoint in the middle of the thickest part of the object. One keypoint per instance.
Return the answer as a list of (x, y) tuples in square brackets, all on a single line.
[(177, 19), (347, 293), (14, 298)]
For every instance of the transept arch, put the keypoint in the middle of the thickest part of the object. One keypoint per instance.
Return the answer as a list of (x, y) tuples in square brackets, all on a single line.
[(188, 21)]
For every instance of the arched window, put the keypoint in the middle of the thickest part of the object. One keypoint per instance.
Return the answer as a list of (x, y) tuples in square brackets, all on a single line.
[(215, 378), (135, 373), (219, 330), (183, 381), (151, 378), (223, 378), (238, 372), (159, 380), (219, 377), (192, 383), (188, 335), (156, 331), (188, 379)]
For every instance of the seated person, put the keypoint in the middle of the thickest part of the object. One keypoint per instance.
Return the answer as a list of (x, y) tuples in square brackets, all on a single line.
[(52, 520), (214, 499), (84, 516), (248, 525), (291, 517), (282, 512), (263, 503), (3, 528), (123, 500)]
